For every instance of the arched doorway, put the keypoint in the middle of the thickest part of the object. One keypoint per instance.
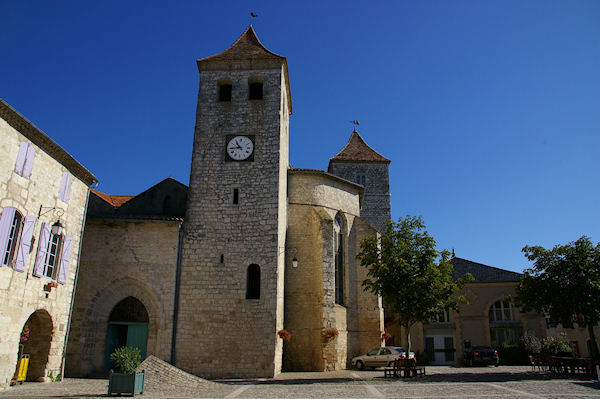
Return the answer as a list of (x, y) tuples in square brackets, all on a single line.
[(35, 340), (127, 326)]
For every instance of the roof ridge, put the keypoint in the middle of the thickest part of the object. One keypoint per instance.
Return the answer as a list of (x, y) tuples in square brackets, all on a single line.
[(114, 200), (484, 265)]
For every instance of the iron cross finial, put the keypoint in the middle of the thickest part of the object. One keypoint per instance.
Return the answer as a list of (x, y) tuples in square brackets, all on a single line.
[(252, 16)]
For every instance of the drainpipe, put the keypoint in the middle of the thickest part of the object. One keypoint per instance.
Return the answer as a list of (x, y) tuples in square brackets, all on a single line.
[(176, 299), (64, 354)]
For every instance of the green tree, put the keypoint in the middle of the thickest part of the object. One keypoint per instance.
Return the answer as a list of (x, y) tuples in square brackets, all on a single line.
[(564, 283), (402, 268)]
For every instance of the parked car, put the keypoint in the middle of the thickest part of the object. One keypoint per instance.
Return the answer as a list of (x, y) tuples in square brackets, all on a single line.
[(380, 357), (482, 355)]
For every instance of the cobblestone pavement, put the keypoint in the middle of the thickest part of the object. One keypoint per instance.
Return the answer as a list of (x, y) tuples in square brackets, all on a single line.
[(441, 382)]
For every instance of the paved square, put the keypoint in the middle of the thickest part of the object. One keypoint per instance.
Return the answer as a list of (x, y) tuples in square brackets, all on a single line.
[(440, 382)]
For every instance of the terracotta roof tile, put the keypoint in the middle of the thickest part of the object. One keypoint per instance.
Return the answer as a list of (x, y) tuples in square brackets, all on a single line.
[(356, 150), (114, 200)]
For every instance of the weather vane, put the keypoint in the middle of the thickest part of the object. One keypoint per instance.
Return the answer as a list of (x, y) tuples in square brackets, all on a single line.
[(252, 16), (355, 123)]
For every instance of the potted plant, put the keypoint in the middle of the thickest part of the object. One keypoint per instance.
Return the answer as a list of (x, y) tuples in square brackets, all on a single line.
[(284, 335), (127, 380), (329, 333)]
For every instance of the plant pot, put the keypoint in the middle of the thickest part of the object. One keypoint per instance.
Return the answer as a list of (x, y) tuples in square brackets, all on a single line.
[(119, 383)]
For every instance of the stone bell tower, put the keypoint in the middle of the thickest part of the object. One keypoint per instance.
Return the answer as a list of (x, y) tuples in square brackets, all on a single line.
[(232, 268)]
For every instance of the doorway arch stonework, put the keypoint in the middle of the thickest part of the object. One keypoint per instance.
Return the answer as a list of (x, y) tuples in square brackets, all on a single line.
[(96, 319)]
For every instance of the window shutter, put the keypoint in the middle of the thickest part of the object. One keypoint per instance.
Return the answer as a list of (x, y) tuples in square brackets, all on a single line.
[(64, 192), (29, 161), (38, 267), (25, 243), (21, 158), (8, 214), (63, 184), (68, 187), (64, 260)]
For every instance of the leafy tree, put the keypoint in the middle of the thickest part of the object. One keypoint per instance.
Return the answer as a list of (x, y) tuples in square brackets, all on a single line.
[(564, 283), (403, 270)]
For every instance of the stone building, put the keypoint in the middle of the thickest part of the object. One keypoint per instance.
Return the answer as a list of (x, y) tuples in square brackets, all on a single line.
[(489, 319), (43, 197), (252, 248)]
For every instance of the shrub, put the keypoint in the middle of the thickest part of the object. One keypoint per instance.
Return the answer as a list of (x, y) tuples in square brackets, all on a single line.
[(422, 358), (126, 359), (531, 343), (512, 354), (557, 345)]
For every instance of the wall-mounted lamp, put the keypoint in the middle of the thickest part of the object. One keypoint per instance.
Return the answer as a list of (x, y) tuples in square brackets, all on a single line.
[(295, 262), (57, 227)]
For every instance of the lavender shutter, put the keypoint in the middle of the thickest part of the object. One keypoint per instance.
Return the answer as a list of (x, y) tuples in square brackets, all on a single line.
[(25, 243), (38, 267), (21, 158), (64, 260), (63, 184), (29, 161), (67, 193), (6, 221)]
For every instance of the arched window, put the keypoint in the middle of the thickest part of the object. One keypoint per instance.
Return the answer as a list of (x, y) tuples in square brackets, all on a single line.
[(338, 242), (504, 323), (502, 311), (253, 282), (10, 227)]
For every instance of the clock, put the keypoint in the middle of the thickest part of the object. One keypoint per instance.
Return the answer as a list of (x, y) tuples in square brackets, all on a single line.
[(240, 148)]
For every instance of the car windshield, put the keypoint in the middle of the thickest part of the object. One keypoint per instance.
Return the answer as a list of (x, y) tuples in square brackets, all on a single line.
[(373, 352)]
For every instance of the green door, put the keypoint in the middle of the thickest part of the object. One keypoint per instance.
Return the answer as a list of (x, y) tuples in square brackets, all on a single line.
[(137, 336), (122, 333)]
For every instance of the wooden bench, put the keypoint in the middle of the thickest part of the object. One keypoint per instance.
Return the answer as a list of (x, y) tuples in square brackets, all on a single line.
[(404, 368)]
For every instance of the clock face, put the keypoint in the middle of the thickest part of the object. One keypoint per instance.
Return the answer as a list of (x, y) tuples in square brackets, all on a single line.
[(240, 148)]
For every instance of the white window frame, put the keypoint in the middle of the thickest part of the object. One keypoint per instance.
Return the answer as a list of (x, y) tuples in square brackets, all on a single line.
[(52, 260), (501, 310), (8, 253)]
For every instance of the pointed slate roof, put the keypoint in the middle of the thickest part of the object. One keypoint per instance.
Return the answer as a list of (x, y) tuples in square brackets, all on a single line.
[(482, 273), (248, 48), (356, 150)]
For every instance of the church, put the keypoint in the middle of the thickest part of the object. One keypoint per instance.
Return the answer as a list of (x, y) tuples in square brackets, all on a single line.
[(249, 270)]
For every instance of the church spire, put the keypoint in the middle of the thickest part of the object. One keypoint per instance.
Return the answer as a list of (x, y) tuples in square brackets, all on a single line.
[(356, 150)]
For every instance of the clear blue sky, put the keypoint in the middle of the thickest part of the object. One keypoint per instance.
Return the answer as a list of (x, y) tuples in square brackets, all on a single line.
[(489, 110)]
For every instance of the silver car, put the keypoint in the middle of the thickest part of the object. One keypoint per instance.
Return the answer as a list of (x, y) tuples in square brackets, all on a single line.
[(379, 357)]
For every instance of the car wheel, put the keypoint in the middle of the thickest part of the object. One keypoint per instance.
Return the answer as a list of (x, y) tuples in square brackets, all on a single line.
[(496, 365), (360, 365)]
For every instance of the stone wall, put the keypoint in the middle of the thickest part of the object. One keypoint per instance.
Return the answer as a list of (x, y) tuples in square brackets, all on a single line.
[(21, 293), (315, 198), (222, 238), (472, 321), (122, 259), (376, 208)]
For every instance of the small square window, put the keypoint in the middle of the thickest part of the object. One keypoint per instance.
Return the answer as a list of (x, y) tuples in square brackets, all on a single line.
[(256, 91), (225, 92)]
